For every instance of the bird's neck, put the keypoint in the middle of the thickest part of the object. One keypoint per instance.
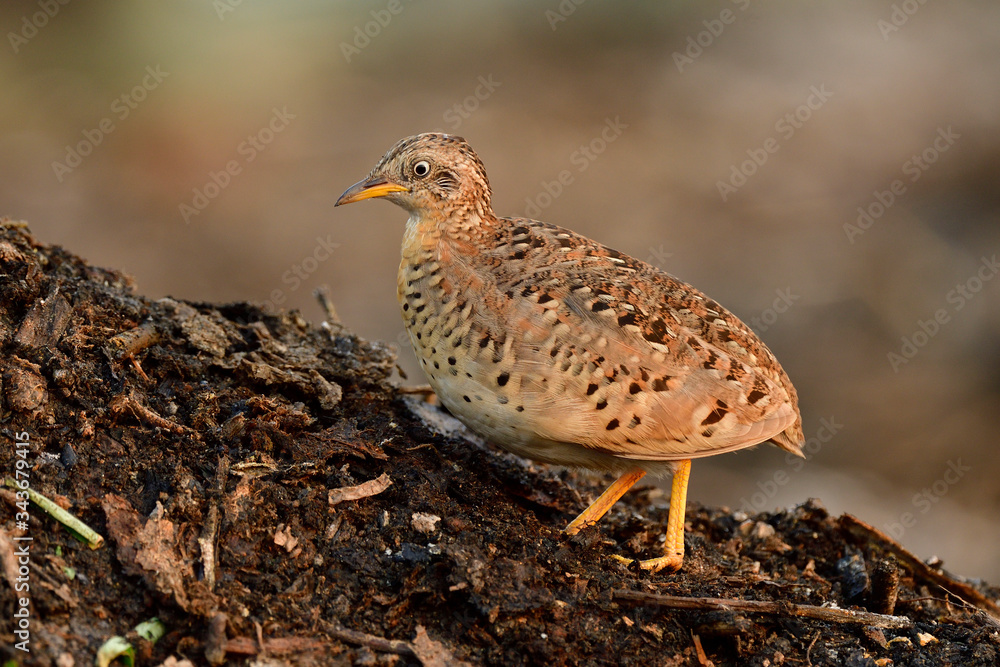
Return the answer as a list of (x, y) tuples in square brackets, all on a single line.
[(439, 261), (445, 237)]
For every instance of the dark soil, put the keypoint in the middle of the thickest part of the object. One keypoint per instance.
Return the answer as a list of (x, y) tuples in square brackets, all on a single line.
[(203, 442)]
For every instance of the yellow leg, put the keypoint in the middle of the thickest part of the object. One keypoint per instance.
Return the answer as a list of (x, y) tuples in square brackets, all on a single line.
[(600, 507), (674, 557)]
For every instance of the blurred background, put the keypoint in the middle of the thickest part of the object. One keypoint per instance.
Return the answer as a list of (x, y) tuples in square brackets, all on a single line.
[(830, 172)]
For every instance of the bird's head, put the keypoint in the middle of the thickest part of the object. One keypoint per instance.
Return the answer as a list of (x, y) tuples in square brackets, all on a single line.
[(428, 174)]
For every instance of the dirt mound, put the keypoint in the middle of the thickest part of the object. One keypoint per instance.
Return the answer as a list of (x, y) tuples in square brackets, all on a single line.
[(265, 491)]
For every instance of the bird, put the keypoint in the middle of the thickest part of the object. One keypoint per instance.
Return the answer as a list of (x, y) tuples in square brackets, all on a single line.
[(565, 351)]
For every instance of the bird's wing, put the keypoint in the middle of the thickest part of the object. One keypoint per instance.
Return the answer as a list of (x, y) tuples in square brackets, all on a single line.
[(661, 373)]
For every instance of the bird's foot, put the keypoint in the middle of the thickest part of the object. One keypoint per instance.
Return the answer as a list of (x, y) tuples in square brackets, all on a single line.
[(670, 563)]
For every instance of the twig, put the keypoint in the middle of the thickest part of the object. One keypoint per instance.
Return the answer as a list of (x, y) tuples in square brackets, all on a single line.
[(884, 586), (322, 294), (206, 541), (423, 389), (128, 343), (809, 659), (215, 639), (210, 532), (371, 641), (700, 652), (124, 402), (84, 532), (369, 488), (920, 570), (138, 369), (979, 613), (279, 645), (828, 614), (275, 646)]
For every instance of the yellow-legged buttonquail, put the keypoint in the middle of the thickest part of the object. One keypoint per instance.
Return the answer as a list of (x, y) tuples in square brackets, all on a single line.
[(561, 350)]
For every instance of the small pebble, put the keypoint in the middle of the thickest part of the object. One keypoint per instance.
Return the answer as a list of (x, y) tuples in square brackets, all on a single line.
[(68, 456), (425, 523)]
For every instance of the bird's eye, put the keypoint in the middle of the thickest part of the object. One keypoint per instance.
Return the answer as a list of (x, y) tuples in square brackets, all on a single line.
[(422, 168)]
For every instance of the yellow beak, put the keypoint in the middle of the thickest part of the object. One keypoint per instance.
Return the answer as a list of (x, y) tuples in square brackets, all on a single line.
[(368, 189)]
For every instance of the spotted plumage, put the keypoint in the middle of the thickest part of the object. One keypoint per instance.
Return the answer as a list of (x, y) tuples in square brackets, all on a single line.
[(559, 348)]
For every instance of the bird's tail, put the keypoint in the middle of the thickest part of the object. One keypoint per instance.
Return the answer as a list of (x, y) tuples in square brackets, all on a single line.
[(791, 439)]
